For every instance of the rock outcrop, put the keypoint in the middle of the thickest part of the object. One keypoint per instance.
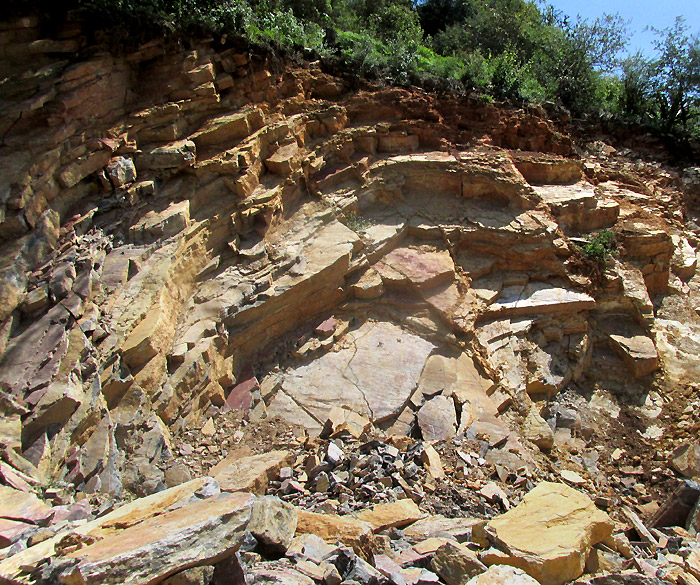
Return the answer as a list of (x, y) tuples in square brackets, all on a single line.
[(263, 324)]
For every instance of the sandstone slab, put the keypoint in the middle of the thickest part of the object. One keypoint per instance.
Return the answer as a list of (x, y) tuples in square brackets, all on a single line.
[(423, 268), (432, 526), (437, 419), (539, 298), (638, 353), (550, 533), (171, 156), (393, 515), (285, 160), (201, 533), (228, 127), (373, 376), (503, 575), (456, 564), (331, 528), (249, 474), (23, 506)]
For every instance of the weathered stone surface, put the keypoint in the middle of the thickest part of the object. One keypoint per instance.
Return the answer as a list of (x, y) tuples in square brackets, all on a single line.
[(432, 462), (423, 268), (273, 523), (437, 419), (249, 474), (201, 533), (459, 528), (638, 352), (373, 377), (394, 515), (285, 160), (161, 224), (550, 533), (227, 128), (343, 421), (456, 564), (121, 171), (537, 431), (685, 459), (112, 523), (369, 286), (540, 298), (81, 168), (23, 506), (503, 575), (171, 156), (331, 528)]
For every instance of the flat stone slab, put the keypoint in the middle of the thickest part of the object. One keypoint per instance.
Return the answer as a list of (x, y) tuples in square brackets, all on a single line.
[(422, 267), (638, 353), (538, 298), (198, 534), (550, 533), (23, 507), (561, 197), (249, 474), (374, 375), (437, 419)]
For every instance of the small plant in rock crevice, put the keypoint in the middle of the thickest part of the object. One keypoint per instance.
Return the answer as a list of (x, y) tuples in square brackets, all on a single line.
[(357, 223), (599, 246)]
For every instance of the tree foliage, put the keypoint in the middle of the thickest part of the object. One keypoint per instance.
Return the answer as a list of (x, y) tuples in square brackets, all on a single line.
[(516, 50)]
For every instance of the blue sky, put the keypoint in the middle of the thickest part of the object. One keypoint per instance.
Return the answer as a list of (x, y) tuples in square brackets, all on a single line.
[(657, 13)]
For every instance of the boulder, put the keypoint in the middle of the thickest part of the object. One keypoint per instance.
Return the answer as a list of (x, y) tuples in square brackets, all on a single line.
[(685, 459), (456, 564), (331, 528), (550, 533), (273, 523), (503, 575), (249, 474), (198, 534), (393, 515)]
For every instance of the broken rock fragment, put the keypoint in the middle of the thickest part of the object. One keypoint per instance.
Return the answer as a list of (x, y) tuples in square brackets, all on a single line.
[(250, 473), (273, 523), (456, 564), (503, 575), (437, 419), (201, 533), (685, 459), (396, 514), (331, 528), (550, 533), (342, 420)]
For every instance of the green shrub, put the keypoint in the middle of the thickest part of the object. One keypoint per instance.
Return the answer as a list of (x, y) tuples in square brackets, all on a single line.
[(361, 52), (599, 246), (284, 29), (428, 61)]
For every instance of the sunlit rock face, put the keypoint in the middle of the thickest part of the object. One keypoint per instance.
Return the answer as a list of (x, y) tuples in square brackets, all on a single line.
[(190, 232)]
